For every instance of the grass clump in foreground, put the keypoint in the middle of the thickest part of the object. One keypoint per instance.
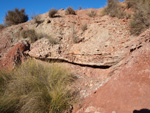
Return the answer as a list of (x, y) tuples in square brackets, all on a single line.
[(36, 88)]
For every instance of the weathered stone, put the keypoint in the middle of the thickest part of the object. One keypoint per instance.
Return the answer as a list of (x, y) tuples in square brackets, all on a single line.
[(14, 55), (128, 89)]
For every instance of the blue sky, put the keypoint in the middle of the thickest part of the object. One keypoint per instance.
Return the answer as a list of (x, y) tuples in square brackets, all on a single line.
[(43, 6)]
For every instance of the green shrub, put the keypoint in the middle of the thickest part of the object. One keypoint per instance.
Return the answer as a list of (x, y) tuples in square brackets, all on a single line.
[(2, 26), (37, 88), (140, 20), (91, 14), (70, 11), (52, 13), (15, 17)]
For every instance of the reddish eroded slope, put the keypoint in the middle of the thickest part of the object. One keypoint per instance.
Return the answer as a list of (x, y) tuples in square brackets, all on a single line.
[(129, 87), (14, 55), (12, 45)]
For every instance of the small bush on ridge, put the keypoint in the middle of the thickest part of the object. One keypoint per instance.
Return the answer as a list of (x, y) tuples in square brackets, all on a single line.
[(36, 18), (36, 88), (15, 17), (91, 14), (70, 11), (52, 13)]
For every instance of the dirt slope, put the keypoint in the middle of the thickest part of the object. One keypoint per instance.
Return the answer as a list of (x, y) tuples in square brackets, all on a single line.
[(128, 89)]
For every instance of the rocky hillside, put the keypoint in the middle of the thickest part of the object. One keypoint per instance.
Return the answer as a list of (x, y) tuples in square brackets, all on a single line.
[(112, 66)]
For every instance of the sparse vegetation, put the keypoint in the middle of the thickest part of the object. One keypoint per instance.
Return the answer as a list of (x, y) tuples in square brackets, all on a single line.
[(84, 27), (52, 40), (80, 8), (36, 88), (4, 79), (70, 11), (31, 34), (33, 15), (15, 17), (131, 3), (36, 18), (140, 20), (115, 9), (102, 12), (75, 38), (91, 14), (2, 26), (52, 13)]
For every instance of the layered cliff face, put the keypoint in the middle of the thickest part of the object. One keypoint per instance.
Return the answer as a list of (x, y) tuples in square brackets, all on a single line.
[(94, 41), (111, 65), (101, 44)]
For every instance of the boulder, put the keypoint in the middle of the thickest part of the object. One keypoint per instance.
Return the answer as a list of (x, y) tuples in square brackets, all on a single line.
[(14, 55)]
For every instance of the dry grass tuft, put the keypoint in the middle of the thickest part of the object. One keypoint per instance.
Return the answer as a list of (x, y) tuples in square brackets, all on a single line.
[(70, 11), (37, 19), (36, 88), (92, 14), (52, 13), (140, 20), (31, 34), (115, 9), (84, 27)]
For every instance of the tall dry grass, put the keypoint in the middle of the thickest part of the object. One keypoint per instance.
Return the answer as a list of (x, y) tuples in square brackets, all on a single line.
[(36, 88)]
